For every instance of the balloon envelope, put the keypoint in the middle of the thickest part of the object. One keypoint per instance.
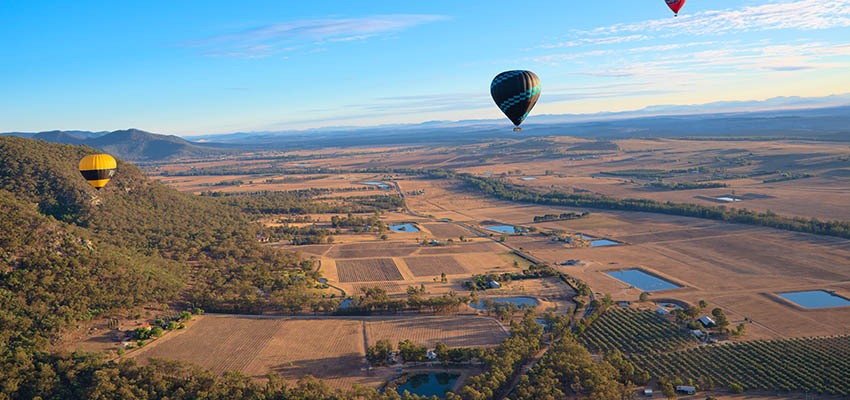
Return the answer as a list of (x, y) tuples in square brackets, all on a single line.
[(98, 169), (675, 5), (516, 93)]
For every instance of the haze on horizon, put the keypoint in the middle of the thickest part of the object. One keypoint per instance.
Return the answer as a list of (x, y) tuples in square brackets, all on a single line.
[(186, 69)]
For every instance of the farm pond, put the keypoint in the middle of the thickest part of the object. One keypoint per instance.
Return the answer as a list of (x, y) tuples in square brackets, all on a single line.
[(594, 242), (505, 229), (603, 242), (404, 228), (815, 299), (427, 385), (642, 280), (521, 302)]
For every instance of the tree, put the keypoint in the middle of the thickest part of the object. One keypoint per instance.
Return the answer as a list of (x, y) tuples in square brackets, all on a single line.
[(740, 330), (384, 236), (442, 352), (443, 278), (410, 351), (703, 304), (735, 388), (644, 296), (379, 354), (668, 390)]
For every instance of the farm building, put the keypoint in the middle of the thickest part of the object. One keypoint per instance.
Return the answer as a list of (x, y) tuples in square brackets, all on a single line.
[(647, 392), (494, 285), (686, 389), (431, 355), (698, 333), (706, 321), (146, 326)]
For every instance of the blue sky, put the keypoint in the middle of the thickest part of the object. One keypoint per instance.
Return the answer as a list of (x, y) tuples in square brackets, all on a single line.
[(209, 67)]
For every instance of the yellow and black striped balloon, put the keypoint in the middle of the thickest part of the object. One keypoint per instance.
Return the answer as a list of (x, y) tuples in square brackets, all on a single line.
[(98, 169)]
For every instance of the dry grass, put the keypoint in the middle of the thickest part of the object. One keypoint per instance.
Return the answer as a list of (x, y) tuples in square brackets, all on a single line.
[(445, 230), (380, 249), (374, 269), (258, 346), (429, 266), (216, 343), (427, 331)]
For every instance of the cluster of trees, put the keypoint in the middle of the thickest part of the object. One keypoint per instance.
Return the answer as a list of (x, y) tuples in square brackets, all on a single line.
[(379, 354), (817, 365), (504, 362), (787, 176), (88, 376), (376, 299), (535, 271), (567, 368), (560, 217), (358, 224), (298, 235)]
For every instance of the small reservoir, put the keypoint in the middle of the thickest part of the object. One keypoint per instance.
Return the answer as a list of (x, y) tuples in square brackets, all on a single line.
[(521, 302), (642, 280), (404, 228), (381, 185), (427, 385), (530, 178), (603, 242), (504, 229), (815, 299)]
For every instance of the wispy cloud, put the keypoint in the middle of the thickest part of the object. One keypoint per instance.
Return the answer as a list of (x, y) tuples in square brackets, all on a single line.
[(798, 14), (801, 14), (267, 40), (592, 41)]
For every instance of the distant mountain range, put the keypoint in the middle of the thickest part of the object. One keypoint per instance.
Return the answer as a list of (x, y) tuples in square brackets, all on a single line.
[(130, 144), (788, 117)]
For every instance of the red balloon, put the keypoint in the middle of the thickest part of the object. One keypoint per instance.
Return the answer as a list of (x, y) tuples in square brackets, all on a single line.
[(675, 5)]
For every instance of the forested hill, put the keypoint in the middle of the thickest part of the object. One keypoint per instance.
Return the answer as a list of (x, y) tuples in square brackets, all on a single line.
[(130, 144), (70, 253)]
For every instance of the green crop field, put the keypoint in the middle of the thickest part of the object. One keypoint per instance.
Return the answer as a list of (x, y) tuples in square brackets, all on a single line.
[(819, 365), (632, 331)]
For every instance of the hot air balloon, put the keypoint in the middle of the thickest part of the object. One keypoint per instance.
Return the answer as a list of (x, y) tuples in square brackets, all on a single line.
[(675, 5), (98, 169), (516, 93)]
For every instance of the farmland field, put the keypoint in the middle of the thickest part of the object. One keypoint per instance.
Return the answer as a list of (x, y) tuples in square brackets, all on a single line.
[(444, 230), (427, 266), (363, 250), (427, 331), (374, 269)]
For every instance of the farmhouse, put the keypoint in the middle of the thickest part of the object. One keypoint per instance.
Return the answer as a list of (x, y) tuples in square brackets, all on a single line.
[(431, 355), (494, 285), (647, 392), (698, 333), (706, 321)]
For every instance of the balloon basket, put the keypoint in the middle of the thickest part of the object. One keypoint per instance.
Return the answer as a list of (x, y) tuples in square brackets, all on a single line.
[(517, 129)]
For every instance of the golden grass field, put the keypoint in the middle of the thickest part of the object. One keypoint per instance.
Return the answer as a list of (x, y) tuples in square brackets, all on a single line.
[(328, 348)]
